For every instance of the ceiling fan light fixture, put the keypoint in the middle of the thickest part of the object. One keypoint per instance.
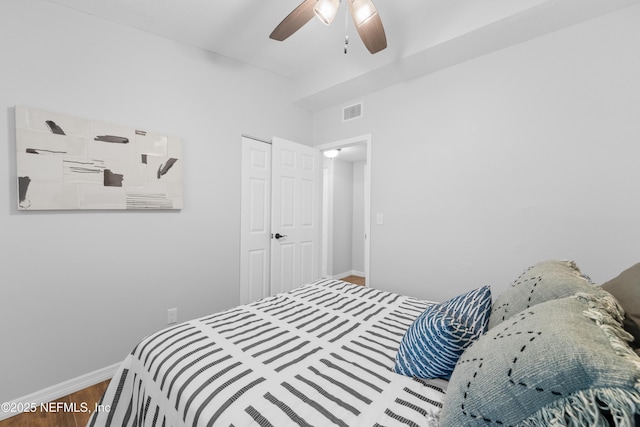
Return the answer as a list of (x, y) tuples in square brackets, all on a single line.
[(366, 20), (364, 10), (326, 10)]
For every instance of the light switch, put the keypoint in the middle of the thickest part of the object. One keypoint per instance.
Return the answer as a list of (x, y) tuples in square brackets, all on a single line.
[(379, 219), (172, 316)]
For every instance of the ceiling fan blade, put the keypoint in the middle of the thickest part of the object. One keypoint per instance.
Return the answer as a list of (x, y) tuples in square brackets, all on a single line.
[(294, 21), (369, 24)]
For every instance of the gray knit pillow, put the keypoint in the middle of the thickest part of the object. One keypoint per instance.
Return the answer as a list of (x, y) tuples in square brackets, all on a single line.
[(541, 282), (564, 362)]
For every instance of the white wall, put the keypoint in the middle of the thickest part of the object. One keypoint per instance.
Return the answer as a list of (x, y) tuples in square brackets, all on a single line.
[(526, 154), (357, 236), (342, 216), (345, 204), (79, 289)]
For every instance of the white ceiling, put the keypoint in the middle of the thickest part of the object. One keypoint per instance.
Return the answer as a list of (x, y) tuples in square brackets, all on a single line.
[(423, 36)]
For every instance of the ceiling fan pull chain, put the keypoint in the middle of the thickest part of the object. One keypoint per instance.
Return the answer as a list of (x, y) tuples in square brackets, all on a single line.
[(346, 28)]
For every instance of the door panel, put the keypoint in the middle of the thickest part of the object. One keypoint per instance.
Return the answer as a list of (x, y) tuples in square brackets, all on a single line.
[(308, 195), (287, 197), (259, 194), (259, 275), (285, 257)]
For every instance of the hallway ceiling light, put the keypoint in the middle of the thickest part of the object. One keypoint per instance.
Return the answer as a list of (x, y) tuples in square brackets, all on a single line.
[(332, 154)]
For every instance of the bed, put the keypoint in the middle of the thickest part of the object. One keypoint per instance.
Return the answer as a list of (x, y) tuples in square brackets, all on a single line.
[(554, 349), (319, 355)]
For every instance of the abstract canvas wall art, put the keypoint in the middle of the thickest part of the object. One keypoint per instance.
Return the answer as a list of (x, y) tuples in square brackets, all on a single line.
[(66, 162)]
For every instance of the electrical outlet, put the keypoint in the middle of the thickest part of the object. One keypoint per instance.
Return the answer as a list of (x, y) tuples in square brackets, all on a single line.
[(172, 316)]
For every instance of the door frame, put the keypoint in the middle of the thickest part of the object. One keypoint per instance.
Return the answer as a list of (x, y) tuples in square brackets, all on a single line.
[(358, 140)]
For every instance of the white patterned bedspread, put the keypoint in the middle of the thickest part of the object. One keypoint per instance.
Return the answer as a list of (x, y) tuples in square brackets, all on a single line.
[(319, 355)]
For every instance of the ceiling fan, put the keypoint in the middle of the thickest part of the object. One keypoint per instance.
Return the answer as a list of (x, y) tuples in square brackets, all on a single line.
[(364, 13)]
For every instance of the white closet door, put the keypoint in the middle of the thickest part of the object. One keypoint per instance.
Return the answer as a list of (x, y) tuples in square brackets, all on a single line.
[(255, 232), (296, 215)]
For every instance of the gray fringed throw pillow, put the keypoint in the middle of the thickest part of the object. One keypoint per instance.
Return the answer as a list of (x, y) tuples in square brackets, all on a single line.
[(564, 362), (544, 281)]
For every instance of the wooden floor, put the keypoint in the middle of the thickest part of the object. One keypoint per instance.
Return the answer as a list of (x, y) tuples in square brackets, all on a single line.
[(86, 398), (357, 280)]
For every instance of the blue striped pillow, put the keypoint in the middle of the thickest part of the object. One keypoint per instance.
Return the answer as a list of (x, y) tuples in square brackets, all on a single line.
[(437, 338)]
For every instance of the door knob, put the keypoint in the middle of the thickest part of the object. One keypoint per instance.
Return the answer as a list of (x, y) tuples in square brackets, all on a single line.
[(280, 236)]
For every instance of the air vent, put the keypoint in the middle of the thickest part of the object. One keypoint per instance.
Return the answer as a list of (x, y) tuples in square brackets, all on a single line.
[(352, 112)]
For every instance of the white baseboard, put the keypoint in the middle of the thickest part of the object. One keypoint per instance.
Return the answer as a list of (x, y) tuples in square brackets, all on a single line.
[(347, 274), (59, 390)]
